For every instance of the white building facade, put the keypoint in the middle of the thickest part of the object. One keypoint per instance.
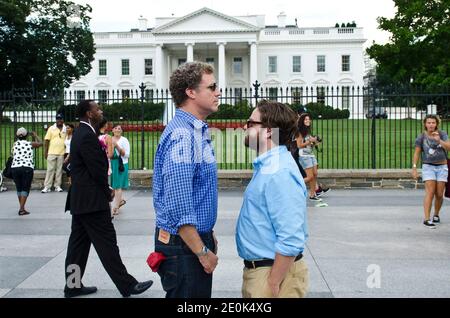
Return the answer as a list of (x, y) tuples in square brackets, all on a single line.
[(242, 50)]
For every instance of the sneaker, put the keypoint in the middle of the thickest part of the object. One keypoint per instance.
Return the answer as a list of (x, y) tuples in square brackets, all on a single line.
[(315, 198), (429, 224), (321, 191), (46, 190), (58, 189), (436, 219)]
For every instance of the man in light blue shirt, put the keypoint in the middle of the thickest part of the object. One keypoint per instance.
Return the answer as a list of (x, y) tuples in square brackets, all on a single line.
[(272, 227)]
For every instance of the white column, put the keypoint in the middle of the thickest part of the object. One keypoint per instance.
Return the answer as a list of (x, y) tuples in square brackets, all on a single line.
[(222, 73), (253, 63), (159, 70), (190, 52)]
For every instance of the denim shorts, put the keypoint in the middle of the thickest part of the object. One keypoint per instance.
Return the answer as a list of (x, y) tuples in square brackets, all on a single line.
[(436, 173), (307, 161)]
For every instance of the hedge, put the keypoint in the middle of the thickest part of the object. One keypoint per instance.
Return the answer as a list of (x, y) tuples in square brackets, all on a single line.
[(322, 111), (126, 111)]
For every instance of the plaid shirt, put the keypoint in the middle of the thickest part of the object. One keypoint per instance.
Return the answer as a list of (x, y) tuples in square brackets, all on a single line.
[(185, 176)]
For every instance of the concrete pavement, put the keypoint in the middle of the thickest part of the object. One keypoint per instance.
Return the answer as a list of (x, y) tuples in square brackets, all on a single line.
[(363, 239)]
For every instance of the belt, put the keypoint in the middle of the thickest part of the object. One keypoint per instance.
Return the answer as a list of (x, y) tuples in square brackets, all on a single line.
[(176, 239), (265, 262)]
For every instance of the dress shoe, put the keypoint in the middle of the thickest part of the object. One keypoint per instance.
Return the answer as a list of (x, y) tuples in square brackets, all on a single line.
[(139, 288), (74, 292)]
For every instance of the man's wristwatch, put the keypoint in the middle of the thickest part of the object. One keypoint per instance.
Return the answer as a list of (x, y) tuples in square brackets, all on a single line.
[(204, 251)]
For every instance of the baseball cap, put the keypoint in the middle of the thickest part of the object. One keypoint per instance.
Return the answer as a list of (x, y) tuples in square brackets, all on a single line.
[(59, 116), (21, 132)]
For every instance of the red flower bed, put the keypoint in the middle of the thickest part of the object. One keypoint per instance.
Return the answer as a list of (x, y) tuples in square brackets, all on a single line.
[(138, 127), (160, 127), (225, 125)]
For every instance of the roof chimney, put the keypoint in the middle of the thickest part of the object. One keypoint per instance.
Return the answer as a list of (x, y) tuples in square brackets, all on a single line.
[(282, 20), (142, 23)]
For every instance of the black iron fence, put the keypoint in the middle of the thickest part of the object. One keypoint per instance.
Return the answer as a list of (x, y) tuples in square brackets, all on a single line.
[(361, 127)]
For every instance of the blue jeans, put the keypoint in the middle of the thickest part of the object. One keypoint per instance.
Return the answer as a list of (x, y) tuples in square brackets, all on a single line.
[(182, 275)]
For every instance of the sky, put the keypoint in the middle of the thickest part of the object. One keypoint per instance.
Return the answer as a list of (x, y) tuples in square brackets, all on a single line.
[(113, 15)]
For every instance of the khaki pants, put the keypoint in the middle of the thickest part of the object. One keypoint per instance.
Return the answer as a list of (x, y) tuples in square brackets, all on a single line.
[(295, 285), (54, 170)]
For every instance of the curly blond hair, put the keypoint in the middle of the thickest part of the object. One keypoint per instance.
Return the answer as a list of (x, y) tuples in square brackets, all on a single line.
[(187, 75), (432, 116)]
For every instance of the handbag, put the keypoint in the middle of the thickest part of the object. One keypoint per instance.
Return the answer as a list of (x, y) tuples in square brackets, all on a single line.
[(447, 186), (7, 172), (121, 166)]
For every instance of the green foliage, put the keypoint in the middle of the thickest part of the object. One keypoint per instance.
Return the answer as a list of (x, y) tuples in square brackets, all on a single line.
[(131, 111), (322, 111), (241, 110), (48, 41), (125, 111), (419, 46), (5, 119)]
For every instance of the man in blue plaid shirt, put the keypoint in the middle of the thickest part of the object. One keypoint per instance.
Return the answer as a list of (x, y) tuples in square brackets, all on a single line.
[(185, 186)]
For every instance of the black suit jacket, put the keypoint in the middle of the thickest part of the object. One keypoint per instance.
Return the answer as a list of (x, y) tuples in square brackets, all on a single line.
[(90, 190)]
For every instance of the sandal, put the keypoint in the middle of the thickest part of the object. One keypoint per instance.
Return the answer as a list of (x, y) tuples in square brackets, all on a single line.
[(116, 211), (23, 212), (122, 203)]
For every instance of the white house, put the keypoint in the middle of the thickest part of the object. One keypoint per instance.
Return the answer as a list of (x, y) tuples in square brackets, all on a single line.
[(242, 49)]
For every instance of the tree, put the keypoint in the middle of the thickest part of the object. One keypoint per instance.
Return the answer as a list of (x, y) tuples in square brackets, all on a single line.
[(419, 47), (45, 41)]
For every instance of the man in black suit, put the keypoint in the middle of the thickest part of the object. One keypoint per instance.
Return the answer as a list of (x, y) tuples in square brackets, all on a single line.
[(88, 202)]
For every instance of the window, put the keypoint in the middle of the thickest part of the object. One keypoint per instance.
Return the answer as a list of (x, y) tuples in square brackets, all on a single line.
[(345, 63), (79, 96), (321, 95), (320, 63), (273, 93), (181, 61), (125, 94), (149, 94), (148, 65), (345, 97), (102, 96), (238, 94), (237, 65), (297, 94), (126, 67), (272, 64), (102, 68), (210, 60), (296, 64)]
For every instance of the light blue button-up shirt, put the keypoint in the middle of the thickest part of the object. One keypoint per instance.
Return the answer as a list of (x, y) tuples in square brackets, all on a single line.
[(273, 215)]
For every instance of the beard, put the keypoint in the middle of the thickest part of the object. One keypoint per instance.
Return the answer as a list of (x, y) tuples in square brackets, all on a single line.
[(252, 144)]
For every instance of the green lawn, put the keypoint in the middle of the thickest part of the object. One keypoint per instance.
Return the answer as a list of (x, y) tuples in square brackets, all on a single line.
[(347, 144)]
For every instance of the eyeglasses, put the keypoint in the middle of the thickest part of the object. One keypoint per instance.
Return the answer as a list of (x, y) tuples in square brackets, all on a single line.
[(250, 123), (212, 87)]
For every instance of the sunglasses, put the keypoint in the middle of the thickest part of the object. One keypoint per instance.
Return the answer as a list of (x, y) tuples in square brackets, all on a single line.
[(212, 87), (250, 123)]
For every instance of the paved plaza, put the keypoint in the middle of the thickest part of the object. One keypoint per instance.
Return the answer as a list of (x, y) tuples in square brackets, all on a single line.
[(366, 243)]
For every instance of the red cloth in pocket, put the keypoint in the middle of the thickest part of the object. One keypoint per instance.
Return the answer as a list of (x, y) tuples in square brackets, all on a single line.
[(155, 259)]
